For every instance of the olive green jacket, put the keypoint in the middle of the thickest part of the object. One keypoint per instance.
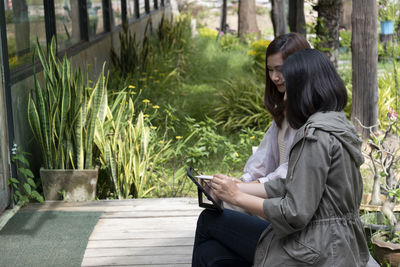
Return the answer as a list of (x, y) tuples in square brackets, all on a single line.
[(314, 212)]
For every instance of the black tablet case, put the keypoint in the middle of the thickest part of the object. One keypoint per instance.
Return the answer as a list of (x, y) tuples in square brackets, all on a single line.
[(191, 173)]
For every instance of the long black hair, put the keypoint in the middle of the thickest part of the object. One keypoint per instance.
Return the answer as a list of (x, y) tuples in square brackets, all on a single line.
[(312, 85), (285, 44)]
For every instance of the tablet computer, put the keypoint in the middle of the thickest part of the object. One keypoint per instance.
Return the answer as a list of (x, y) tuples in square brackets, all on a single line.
[(203, 189)]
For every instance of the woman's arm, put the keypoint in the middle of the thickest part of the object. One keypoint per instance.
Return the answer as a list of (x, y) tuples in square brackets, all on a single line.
[(265, 159), (249, 196)]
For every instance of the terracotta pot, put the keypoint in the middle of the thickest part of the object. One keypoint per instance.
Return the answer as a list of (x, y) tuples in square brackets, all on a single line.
[(69, 185), (386, 252)]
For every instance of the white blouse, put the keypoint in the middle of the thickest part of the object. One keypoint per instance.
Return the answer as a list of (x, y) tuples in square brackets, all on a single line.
[(265, 164)]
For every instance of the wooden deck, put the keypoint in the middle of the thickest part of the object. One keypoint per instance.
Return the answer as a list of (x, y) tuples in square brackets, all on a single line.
[(138, 232)]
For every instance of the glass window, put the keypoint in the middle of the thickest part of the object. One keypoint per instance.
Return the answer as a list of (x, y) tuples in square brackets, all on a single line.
[(95, 16), (24, 24), (142, 8), (130, 6), (67, 22), (153, 4), (116, 12)]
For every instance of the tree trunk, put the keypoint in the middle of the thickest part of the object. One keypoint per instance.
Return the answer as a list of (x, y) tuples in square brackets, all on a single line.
[(327, 27), (376, 191), (345, 18), (364, 64), (387, 210), (222, 27), (278, 17), (247, 18), (297, 21), (22, 29)]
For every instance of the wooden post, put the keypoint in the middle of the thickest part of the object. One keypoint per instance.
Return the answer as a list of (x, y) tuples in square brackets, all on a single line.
[(364, 64)]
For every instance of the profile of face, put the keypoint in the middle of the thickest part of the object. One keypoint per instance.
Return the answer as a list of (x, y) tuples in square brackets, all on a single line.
[(274, 63)]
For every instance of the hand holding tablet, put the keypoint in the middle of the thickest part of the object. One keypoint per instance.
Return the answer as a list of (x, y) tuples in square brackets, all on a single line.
[(204, 189)]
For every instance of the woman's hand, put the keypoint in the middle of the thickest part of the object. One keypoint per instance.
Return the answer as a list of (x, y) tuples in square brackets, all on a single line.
[(225, 188)]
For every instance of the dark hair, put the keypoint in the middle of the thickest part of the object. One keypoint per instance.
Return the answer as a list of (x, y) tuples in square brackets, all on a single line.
[(312, 85), (285, 44)]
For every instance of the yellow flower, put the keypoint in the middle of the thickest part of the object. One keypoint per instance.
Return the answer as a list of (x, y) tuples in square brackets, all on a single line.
[(143, 79), (133, 93), (156, 106), (153, 127), (252, 53), (206, 32), (131, 86), (236, 154), (146, 101), (161, 141), (178, 137), (146, 115), (252, 137)]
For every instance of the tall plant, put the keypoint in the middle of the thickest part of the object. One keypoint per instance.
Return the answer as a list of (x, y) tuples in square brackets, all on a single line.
[(64, 116), (133, 56), (128, 148), (242, 105)]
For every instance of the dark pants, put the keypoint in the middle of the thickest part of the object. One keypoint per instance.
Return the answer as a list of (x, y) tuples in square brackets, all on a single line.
[(226, 239)]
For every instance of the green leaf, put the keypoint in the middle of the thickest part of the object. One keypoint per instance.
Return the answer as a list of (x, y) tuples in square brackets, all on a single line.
[(26, 172), (28, 188), (13, 180), (31, 182), (37, 196), (21, 158)]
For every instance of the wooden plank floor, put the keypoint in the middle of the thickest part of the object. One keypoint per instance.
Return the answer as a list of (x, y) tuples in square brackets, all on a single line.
[(137, 232)]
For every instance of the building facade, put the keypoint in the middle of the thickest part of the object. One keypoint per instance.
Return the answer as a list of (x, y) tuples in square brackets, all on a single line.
[(85, 31)]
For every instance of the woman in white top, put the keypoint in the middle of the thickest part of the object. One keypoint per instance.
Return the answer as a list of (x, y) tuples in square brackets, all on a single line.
[(270, 161)]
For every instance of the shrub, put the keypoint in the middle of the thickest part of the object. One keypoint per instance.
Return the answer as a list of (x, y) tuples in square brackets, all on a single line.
[(241, 105), (344, 38), (208, 33), (257, 51)]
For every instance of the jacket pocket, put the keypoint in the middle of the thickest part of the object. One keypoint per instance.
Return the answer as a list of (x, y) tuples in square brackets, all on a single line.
[(301, 254)]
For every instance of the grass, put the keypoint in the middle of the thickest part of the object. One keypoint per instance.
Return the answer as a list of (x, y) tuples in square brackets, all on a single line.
[(202, 73)]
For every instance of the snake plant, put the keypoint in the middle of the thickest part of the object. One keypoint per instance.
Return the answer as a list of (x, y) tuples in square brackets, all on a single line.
[(128, 148), (64, 116)]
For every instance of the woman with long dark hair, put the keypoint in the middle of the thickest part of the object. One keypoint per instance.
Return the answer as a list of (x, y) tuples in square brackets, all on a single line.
[(312, 216), (269, 162)]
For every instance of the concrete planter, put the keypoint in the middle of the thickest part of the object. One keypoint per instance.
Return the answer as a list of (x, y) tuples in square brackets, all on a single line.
[(78, 185)]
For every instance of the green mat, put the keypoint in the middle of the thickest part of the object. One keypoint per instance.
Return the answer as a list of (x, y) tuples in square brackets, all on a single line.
[(46, 238)]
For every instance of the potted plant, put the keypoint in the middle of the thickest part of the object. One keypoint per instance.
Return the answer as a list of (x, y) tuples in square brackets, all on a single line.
[(388, 10), (386, 243), (63, 120), (382, 158)]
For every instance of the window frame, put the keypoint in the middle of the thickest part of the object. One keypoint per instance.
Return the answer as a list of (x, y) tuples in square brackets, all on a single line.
[(24, 71)]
